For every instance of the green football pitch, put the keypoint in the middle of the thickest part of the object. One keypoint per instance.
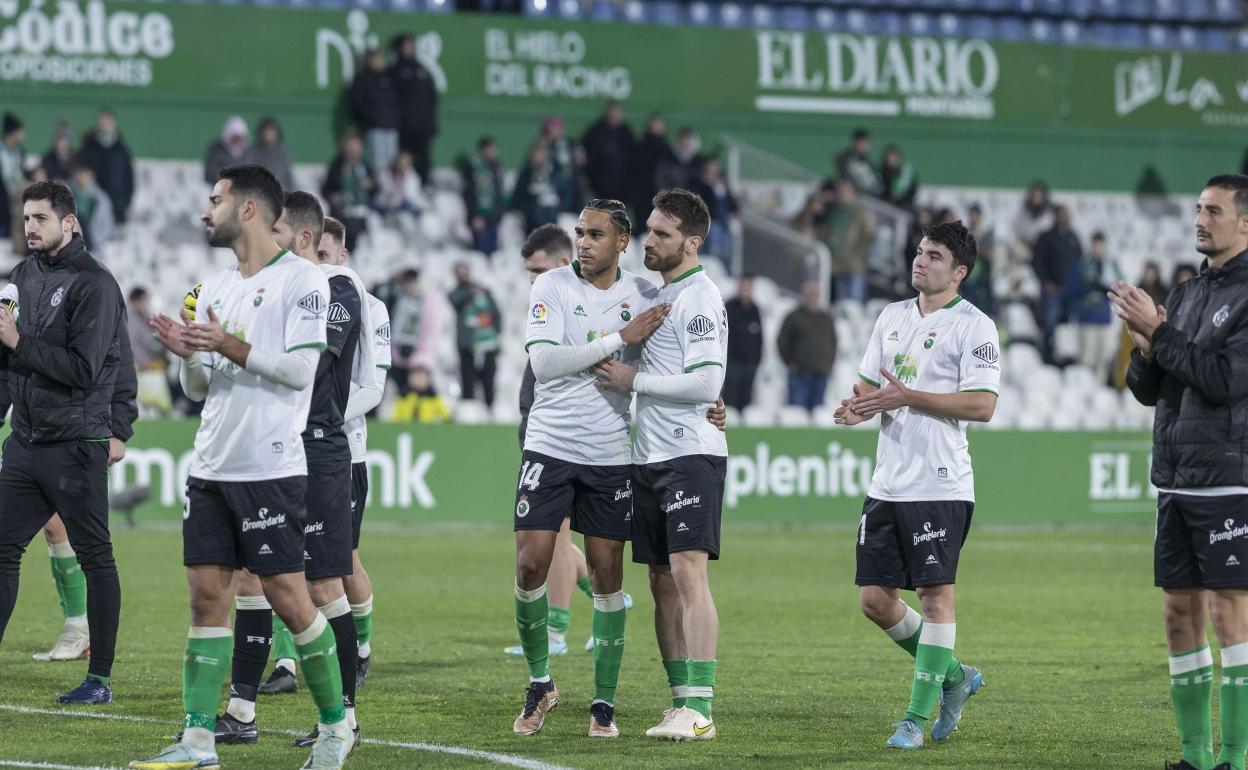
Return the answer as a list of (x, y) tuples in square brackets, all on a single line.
[(1065, 625)]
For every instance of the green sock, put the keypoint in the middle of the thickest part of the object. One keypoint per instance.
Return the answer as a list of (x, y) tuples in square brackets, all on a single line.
[(931, 661), (609, 619), (363, 615), (1191, 690), (558, 619), (531, 612), (701, 686), (204, 668), (1233, 700), (583, 584), (319, 659), (71, 583), (283, 641), (906, 635), (678, 679)]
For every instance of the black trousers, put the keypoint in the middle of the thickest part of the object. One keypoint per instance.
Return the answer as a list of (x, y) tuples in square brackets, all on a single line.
[(418, 144), (479, 368), (739, 384), (69, 478)]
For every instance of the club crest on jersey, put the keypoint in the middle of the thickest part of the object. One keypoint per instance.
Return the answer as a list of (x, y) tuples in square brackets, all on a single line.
[(700, 326), (625, 314), (929, 343), (60, 295), (1219, 317), (522, 507), (986, 353), (338, 314), (313, 302), (259, 300)]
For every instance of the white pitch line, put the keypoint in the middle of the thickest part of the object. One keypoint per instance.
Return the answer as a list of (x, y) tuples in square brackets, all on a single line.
[(490, 756), (50, 766)]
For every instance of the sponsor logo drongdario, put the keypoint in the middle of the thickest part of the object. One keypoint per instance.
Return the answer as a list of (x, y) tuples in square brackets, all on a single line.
[(1229, 532), (683, 502), (264, 522), (76, 42), (928, 534)]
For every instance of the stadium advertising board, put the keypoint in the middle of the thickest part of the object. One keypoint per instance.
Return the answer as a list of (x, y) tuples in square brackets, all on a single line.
[(467, 473), (163, 67)]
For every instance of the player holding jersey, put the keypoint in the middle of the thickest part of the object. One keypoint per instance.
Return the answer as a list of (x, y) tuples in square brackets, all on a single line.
[(576, 455), (252, 358), (937, 356), (681, 460)]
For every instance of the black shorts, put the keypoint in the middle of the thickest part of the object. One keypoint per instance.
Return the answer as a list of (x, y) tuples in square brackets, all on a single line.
[(1202, 542), (359, 498), (908, 545), (677, 507), (252, 524), (327, 533), (599, 498)]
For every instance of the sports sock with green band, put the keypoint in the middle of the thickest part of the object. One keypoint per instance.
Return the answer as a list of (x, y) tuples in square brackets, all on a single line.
[(583, 584), (204, 668), (931, 661), (319, 658), (701, 686), (1191, 690), (283, 643), (678, 679), (610, 618), (363, 614), (906, 635), (71, 583), (558, 619), (531, 612), (1233, 706)]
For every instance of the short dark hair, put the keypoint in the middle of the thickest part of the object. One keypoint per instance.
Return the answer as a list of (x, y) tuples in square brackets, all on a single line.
[(304, 212), (1098, 236), (247, 180), (955, 237), (686, 207), (615, 209), (485, 141), (861, 133), (550, 238), (336, 229), (57, 194), (137, 293), (1237, 183)]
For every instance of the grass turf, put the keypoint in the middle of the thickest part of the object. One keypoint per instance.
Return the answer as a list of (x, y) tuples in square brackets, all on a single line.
[(1065, 625)]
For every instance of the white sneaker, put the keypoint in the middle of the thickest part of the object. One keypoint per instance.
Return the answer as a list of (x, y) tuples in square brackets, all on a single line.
[(686, 725), (74, 643), (667, 717), (331, 749)]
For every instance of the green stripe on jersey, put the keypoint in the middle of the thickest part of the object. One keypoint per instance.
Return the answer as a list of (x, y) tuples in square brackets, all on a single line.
[(317, 345), (704, 363), (531, 343), (865, 378)]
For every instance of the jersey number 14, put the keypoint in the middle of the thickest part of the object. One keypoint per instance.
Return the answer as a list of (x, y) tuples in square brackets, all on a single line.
[(531, 475)]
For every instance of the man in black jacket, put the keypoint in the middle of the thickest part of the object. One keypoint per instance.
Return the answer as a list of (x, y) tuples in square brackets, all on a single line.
[(418, 104), (61, 368), (745, 345), (1191, 363), (375, 107)]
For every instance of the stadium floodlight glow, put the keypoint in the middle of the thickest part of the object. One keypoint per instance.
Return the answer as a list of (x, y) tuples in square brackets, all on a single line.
[(539, 6)]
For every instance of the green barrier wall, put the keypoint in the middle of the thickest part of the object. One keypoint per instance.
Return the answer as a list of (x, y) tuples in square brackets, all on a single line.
[(468, 473), (970, 112)]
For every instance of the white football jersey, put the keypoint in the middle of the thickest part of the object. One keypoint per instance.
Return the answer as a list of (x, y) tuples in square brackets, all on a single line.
[(250, 427), (694, 334), (955, 349), (357, 429), (571, 418)]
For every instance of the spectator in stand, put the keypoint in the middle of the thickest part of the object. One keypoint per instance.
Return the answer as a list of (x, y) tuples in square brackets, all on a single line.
[(654, 152), (269, 152), (745, 345), (1086, 286), (60, 156), (418, 105), (977, 287), (609, 149), (150, 360), (538, 194), (1184, 271), (484, 197), (713, 189), (1151, 282), (229, 150), (421, 403), (1034, 218), (814, 211), (401, 195), (563, 154), (807, 345), (899, 184), (105, 151), (415, 325), (478, 328), (685, 165), (350, 186), (1056, 251), (854, 163), (95, 208), (375, 109), (12, 180), (850, 231)]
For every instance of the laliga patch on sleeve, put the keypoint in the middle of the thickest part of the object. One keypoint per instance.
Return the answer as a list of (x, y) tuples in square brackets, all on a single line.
[(537, 314)]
